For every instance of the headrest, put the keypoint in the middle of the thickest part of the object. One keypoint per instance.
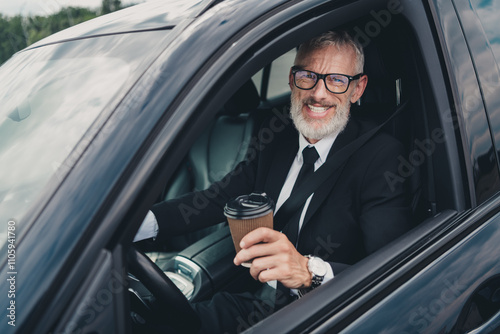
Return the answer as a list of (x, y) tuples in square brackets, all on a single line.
[(244, 100), (381, 82)]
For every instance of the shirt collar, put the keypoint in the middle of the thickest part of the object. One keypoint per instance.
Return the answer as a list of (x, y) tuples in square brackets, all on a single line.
[(322, 147)]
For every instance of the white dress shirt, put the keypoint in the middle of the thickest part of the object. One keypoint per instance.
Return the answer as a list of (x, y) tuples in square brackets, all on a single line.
[(323, 148)]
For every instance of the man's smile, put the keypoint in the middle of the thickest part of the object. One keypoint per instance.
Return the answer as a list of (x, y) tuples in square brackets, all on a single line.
[(317, 112)]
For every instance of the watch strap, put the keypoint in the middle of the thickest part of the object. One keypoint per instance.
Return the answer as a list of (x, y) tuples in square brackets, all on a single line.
[(316, 280)]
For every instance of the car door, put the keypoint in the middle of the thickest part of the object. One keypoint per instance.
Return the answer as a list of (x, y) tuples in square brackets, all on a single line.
[(461, 178), (451, 285)]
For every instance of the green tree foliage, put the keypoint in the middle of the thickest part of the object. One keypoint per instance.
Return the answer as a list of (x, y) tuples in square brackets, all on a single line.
[(109, 6), (42, 26), (12, 38), (18, 32)]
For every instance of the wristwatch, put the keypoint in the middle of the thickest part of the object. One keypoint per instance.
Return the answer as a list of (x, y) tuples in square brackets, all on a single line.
[(318, 268)]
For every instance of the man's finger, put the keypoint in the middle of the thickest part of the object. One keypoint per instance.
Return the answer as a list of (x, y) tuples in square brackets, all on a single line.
[(255, 251), (267, 275), (261, 234)]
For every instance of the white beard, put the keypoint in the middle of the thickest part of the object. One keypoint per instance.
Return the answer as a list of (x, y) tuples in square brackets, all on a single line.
[(318, 129)]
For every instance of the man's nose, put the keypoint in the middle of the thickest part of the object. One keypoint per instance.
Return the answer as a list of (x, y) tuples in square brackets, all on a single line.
[(319, 91)]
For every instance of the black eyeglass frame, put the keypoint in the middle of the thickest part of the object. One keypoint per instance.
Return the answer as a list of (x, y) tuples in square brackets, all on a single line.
[(319, 76)]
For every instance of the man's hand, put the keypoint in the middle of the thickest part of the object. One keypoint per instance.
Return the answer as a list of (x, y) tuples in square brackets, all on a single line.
[(273, 257)]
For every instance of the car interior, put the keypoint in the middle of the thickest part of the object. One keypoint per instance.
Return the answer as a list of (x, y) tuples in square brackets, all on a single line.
[(200, 263)]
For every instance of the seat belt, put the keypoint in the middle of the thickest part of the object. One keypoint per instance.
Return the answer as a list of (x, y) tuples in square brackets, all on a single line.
[(322, 174)]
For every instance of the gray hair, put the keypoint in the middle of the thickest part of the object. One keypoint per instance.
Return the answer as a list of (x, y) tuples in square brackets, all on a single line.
[(340, 39)]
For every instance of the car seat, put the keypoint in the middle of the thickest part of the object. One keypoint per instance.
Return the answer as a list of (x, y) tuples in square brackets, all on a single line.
[(389, 85), (220, 147)]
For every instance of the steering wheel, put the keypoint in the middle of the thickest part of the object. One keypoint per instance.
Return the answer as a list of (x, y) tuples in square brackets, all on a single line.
[(170, 300)]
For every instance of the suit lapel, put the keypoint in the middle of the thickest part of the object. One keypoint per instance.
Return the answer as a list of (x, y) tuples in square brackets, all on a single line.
[(350, 133)]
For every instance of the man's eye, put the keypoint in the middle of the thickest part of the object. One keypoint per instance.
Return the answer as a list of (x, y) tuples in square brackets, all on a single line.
[(308, 75), (337, 80)]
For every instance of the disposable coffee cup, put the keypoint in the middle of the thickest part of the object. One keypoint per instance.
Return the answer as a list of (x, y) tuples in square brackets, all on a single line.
[(246, 213)]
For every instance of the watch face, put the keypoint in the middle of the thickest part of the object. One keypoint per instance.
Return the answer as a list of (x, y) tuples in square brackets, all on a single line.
[(317, 266)]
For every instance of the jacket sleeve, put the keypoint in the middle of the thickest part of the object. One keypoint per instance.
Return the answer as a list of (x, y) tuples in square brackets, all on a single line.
[(200, 209)]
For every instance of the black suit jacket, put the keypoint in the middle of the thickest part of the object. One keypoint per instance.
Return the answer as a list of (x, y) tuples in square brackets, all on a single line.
[(344, 222)]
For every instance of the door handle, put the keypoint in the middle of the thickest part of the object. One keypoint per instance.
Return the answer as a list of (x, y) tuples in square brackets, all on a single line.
[(489, 326), (481, 312)]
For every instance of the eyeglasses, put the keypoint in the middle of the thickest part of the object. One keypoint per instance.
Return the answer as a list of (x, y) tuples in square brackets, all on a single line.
[(334, 82)]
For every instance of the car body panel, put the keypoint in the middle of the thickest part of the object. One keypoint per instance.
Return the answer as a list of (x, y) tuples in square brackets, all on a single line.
[(471, 115), (482, 42), (432, 300), (55, 70), (151, 16), (71, 219)]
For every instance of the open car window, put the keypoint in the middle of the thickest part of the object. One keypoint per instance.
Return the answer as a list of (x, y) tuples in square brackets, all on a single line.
[(394, 78)]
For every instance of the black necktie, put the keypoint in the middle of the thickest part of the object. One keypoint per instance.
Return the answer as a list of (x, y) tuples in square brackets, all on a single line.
[(309, 155)]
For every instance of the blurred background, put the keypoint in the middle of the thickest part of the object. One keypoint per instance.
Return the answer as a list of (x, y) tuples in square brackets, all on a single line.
[(24, 22)]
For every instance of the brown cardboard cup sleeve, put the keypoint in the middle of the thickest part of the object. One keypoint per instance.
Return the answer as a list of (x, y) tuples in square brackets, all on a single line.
[(246, 213)]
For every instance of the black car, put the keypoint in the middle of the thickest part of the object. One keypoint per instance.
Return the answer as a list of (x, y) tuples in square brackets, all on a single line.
[(103, 120)]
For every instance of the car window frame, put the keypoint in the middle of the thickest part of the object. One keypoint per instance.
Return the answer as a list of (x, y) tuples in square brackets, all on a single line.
[(102, 295), (243, 69), (463, 91), (485, 65)]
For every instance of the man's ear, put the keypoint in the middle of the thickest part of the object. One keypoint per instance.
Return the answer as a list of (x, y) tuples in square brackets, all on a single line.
[(290, 79), (359, 89)]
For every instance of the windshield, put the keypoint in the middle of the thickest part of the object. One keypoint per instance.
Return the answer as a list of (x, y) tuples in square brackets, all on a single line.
[(50, 98)]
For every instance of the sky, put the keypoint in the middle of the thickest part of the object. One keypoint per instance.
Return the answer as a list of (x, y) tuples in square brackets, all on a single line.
[(47, 7)]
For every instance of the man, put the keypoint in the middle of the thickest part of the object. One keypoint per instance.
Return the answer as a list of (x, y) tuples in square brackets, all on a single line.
[(340, 223)]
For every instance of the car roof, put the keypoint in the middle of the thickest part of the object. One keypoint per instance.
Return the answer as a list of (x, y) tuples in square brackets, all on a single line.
[(151, 15)]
